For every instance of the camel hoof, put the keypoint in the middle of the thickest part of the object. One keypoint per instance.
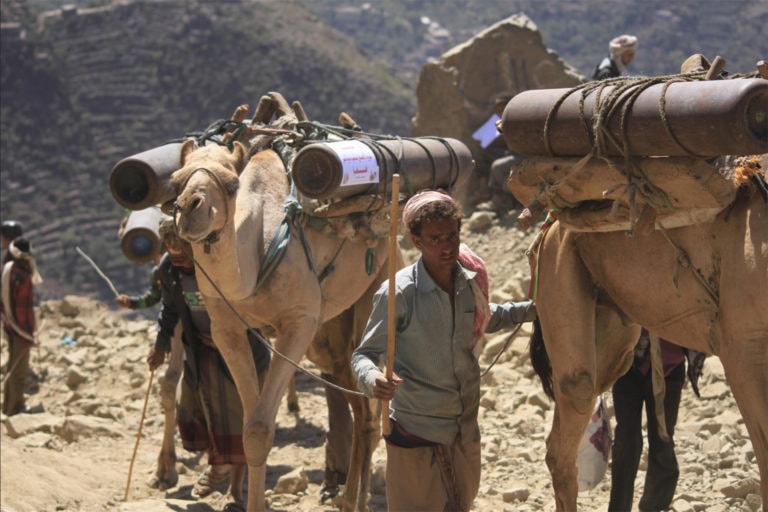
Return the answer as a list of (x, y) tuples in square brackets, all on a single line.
[(164, 481), (328, 493)]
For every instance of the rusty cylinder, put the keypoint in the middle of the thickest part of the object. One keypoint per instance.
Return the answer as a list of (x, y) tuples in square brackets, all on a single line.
[(139, 236), (707, 118), (143, 180), (341, 169)]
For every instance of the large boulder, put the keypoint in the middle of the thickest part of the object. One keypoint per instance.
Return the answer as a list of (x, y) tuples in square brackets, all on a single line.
[(456, 93)]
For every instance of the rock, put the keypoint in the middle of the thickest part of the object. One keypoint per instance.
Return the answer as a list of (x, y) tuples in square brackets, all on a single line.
[(77, 427), (292, 483), (23, 424), (680, 505), (479, 221), (517, 493), (754, 502), (454, 94), (75, 377), (741, 488), (68, 306)]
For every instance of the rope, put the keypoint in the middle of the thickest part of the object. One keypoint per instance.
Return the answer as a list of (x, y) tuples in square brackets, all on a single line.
[(266, 343), (509, 339), (682, 259), (616, 97)]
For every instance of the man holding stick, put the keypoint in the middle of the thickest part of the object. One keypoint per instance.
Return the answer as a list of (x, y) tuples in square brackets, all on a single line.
[(441, 312)]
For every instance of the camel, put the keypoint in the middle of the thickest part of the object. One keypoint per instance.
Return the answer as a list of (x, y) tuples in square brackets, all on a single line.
[(339, 439), (703, 286), (228, 206)]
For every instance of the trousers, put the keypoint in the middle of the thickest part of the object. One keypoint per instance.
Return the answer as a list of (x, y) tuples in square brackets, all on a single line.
[(630, 393), (18, 369), (416, 482)]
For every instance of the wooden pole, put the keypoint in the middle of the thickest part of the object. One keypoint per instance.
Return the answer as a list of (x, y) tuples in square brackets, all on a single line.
[(394, 224), (98, 270), (138, 436)]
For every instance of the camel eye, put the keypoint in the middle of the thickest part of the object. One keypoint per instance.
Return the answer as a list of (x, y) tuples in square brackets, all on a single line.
[(195, 204)]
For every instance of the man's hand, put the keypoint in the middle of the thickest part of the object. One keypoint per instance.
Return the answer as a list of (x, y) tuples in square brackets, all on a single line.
[(384, 389), (156, 358), (123, 301)]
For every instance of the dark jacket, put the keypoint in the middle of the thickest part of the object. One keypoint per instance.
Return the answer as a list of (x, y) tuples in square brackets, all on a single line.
[(175, 309), (606, 69)]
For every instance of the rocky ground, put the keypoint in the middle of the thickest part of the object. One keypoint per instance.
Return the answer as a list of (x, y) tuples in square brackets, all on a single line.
[(90, 380)]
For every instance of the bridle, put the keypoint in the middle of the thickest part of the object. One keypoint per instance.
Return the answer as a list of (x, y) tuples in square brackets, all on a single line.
[(213, 236)]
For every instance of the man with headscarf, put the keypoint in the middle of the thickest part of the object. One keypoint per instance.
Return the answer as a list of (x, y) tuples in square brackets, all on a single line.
[(442, 311), (19, 276), (622, 51), (9, 230)]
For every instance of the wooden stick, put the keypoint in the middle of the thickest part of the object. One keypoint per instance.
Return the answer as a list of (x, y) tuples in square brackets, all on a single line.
[(394, 222), (98, 270), (138, 436)]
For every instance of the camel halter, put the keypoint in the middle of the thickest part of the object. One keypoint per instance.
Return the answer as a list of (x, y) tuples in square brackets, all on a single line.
[(213, 236)]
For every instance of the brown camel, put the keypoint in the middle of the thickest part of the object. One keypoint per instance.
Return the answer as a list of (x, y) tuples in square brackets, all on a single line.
[(229, 205), (703, 286)]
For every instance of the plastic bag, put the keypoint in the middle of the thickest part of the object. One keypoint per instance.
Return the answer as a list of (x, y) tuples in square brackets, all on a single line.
[(594, 448)]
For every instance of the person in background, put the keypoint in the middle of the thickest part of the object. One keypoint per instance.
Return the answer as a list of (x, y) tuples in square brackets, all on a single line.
[(631, 392), (442, 311), (209, 412), (622, 51), (19, 277), (494, 162)]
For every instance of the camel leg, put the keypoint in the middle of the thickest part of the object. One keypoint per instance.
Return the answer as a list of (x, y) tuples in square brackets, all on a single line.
[(166, 475), (566, 305), (291, 397), (365, 438), (338, 440), (744, 366), (260, 408)]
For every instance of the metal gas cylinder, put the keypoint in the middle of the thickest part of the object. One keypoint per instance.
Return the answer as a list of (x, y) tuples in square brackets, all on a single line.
[(341, 169), (143, 180), (690, 118), (139, 235)]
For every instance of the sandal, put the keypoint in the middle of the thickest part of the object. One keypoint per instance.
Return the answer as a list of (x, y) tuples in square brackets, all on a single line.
[(210, 481), (234, 506)]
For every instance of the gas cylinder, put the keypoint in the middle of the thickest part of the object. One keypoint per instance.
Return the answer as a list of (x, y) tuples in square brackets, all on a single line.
[(143, 180), (341, 169), (703, 118), (139, 235)]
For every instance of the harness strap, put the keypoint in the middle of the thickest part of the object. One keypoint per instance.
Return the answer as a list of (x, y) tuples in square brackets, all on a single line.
[(534, 251)]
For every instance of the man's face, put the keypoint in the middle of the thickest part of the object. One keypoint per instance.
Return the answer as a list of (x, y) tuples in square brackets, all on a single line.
[(626, 58), (179, 258), (439, 243)]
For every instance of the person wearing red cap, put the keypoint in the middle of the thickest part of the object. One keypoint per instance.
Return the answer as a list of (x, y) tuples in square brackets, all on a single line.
[(442, 310)]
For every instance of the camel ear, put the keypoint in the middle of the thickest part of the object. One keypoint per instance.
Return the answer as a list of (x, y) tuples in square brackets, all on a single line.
[(187, 147), (240, 155)]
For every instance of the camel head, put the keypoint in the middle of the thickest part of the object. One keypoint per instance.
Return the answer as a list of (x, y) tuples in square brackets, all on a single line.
[(206, 185)]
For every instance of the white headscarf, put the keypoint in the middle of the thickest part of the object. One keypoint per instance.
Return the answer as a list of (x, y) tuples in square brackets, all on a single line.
[(21, 255), (619, 46)]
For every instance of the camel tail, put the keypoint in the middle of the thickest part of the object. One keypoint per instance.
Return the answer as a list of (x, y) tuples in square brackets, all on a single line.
[(540, 359)]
